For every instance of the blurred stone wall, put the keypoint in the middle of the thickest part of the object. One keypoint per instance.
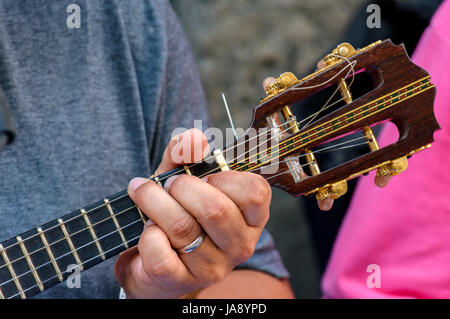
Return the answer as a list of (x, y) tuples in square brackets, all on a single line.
[(237, 43)]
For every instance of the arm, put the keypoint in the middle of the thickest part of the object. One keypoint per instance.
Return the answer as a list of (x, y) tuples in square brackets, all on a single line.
[(248, 284)]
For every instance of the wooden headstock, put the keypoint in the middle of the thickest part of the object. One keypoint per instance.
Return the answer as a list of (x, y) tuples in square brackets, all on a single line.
[(402, 94)]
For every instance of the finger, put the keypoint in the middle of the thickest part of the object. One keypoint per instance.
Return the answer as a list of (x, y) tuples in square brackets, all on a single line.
[(217, 214), (188, 147), (268, 81), (121, 267), (152, 264), (163, 210), (325, 204), (250, 192), (159, 262), (382, 181)]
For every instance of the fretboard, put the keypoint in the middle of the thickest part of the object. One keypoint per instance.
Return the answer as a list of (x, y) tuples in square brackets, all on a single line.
[(42, 257)]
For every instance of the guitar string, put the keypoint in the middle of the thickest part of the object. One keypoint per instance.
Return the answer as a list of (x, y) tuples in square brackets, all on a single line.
[(227, 149), (352, 70), (99, 255), (79, 216), (292, 170), (319, 151), (113, 232)]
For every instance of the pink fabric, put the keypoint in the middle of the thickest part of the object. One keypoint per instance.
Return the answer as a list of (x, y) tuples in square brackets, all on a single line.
[(403, 228)]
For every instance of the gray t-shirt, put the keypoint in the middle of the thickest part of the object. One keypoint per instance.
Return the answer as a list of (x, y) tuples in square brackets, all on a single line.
[(94, 107)]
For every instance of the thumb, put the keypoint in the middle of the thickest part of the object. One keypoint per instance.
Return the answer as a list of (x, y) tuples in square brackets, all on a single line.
[(188, 147)]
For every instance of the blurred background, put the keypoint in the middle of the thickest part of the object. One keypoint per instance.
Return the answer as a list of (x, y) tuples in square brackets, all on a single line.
[(238, 43)]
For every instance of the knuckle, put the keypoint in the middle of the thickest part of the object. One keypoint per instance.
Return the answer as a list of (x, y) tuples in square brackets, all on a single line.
[(180, 183), (159, 271), (214, 275), (218, 178), (245, 252), (182, 228), (259, 191), (215, 210)]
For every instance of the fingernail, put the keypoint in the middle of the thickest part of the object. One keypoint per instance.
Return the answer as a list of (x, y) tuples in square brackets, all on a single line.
[(326, 204), (169, 181), (135, 183), (205, 179)]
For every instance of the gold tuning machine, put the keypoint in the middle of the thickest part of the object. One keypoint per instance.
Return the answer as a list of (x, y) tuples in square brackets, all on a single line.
[(393, 167), (398, 165), (282, 83), (333, 191)]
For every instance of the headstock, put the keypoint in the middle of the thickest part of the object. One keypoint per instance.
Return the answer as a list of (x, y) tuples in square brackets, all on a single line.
[(402, 94)]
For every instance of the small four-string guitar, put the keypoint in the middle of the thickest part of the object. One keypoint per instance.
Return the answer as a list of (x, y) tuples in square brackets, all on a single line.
[(402, 94)]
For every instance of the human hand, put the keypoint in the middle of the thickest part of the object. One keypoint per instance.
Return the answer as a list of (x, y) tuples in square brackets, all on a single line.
[(232, 208)]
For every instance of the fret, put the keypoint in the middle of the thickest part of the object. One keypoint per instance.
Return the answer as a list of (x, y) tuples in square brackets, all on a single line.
[(116, 223), (129, 217), (69, 241), (30, 263), (158, 181), (186, 169), (12, 272), (141, 215), (94, 235), (2, 296), (7, 284), (105, 229), (50, 253)]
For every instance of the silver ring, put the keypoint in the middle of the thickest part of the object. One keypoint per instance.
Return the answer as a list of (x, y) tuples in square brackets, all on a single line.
[(194, 245)]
